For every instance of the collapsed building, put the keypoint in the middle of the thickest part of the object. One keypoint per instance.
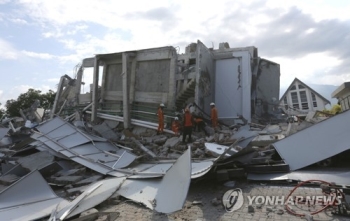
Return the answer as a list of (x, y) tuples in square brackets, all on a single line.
[(102, 144), (132, 84)]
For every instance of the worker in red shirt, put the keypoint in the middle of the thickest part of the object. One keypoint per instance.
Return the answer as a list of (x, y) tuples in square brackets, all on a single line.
[(214, 115), (176, 126), (188, 119), (160, 114)]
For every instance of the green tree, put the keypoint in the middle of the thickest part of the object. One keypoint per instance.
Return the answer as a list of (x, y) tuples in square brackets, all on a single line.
[(2, 112), (335, 109), (25, 100)]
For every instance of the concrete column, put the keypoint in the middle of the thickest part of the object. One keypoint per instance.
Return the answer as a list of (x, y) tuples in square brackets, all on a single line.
[(78, 84), (126, 105), (57, 98), (172, 80), (198, 73), (95, 89), (132, 80), (246, 82)]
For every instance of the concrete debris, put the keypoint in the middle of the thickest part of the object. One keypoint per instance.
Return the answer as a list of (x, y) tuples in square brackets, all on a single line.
[(109, 141), (280, 211), (216, 202), (88, 212), (66, 179), (172, 142), (105, 131), (99, 216), (230, 183), (269, 209), (89, 180), (197, 202)]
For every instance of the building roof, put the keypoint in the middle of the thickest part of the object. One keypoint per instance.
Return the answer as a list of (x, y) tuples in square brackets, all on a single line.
[(340, 89), (315, 92)]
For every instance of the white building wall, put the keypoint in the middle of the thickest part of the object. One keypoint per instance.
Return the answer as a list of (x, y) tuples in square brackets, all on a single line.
[(319, 101)]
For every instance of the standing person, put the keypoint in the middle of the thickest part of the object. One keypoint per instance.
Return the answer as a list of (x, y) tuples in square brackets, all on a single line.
[(160, 114), (187, 126), (175, 126), (214, 115)]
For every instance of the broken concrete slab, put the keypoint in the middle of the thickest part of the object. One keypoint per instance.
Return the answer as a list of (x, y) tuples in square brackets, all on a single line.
[(143, 148), (137, 130), (160, 140), (172, 142)]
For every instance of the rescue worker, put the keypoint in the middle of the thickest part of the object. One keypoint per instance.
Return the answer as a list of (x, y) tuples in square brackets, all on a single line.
[(188, 119), (160, 114), (199, 124), (214, 115), (175, 126)]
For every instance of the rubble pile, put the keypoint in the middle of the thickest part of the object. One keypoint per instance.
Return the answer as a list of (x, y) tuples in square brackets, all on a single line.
[(75, 165)]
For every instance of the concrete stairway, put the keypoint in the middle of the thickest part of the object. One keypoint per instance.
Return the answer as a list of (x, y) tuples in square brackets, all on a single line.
[(185, 94)]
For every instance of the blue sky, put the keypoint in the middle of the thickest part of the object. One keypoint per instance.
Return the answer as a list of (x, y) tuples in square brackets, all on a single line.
[(42, 40)]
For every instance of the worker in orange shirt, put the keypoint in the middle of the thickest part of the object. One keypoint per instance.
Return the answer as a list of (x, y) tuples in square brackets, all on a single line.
[(160, 114), (175, 126), (214, 115), (188, 119), (199, 124)]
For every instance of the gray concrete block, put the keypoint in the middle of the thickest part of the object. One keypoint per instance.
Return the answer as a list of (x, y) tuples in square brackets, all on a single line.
[(172, 142)]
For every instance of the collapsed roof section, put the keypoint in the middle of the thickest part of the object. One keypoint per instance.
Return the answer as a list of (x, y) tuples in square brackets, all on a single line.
[(316, 143), (131, 84)]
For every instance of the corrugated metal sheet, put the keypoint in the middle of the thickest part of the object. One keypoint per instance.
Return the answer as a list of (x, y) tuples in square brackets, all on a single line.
[(91, 151), (316, 143), (95, 194), (166, 195), (29, 198)]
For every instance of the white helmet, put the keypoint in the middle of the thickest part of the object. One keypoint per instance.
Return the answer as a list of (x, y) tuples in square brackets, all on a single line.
[(212, 104), (176, 118), (162, 105)]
